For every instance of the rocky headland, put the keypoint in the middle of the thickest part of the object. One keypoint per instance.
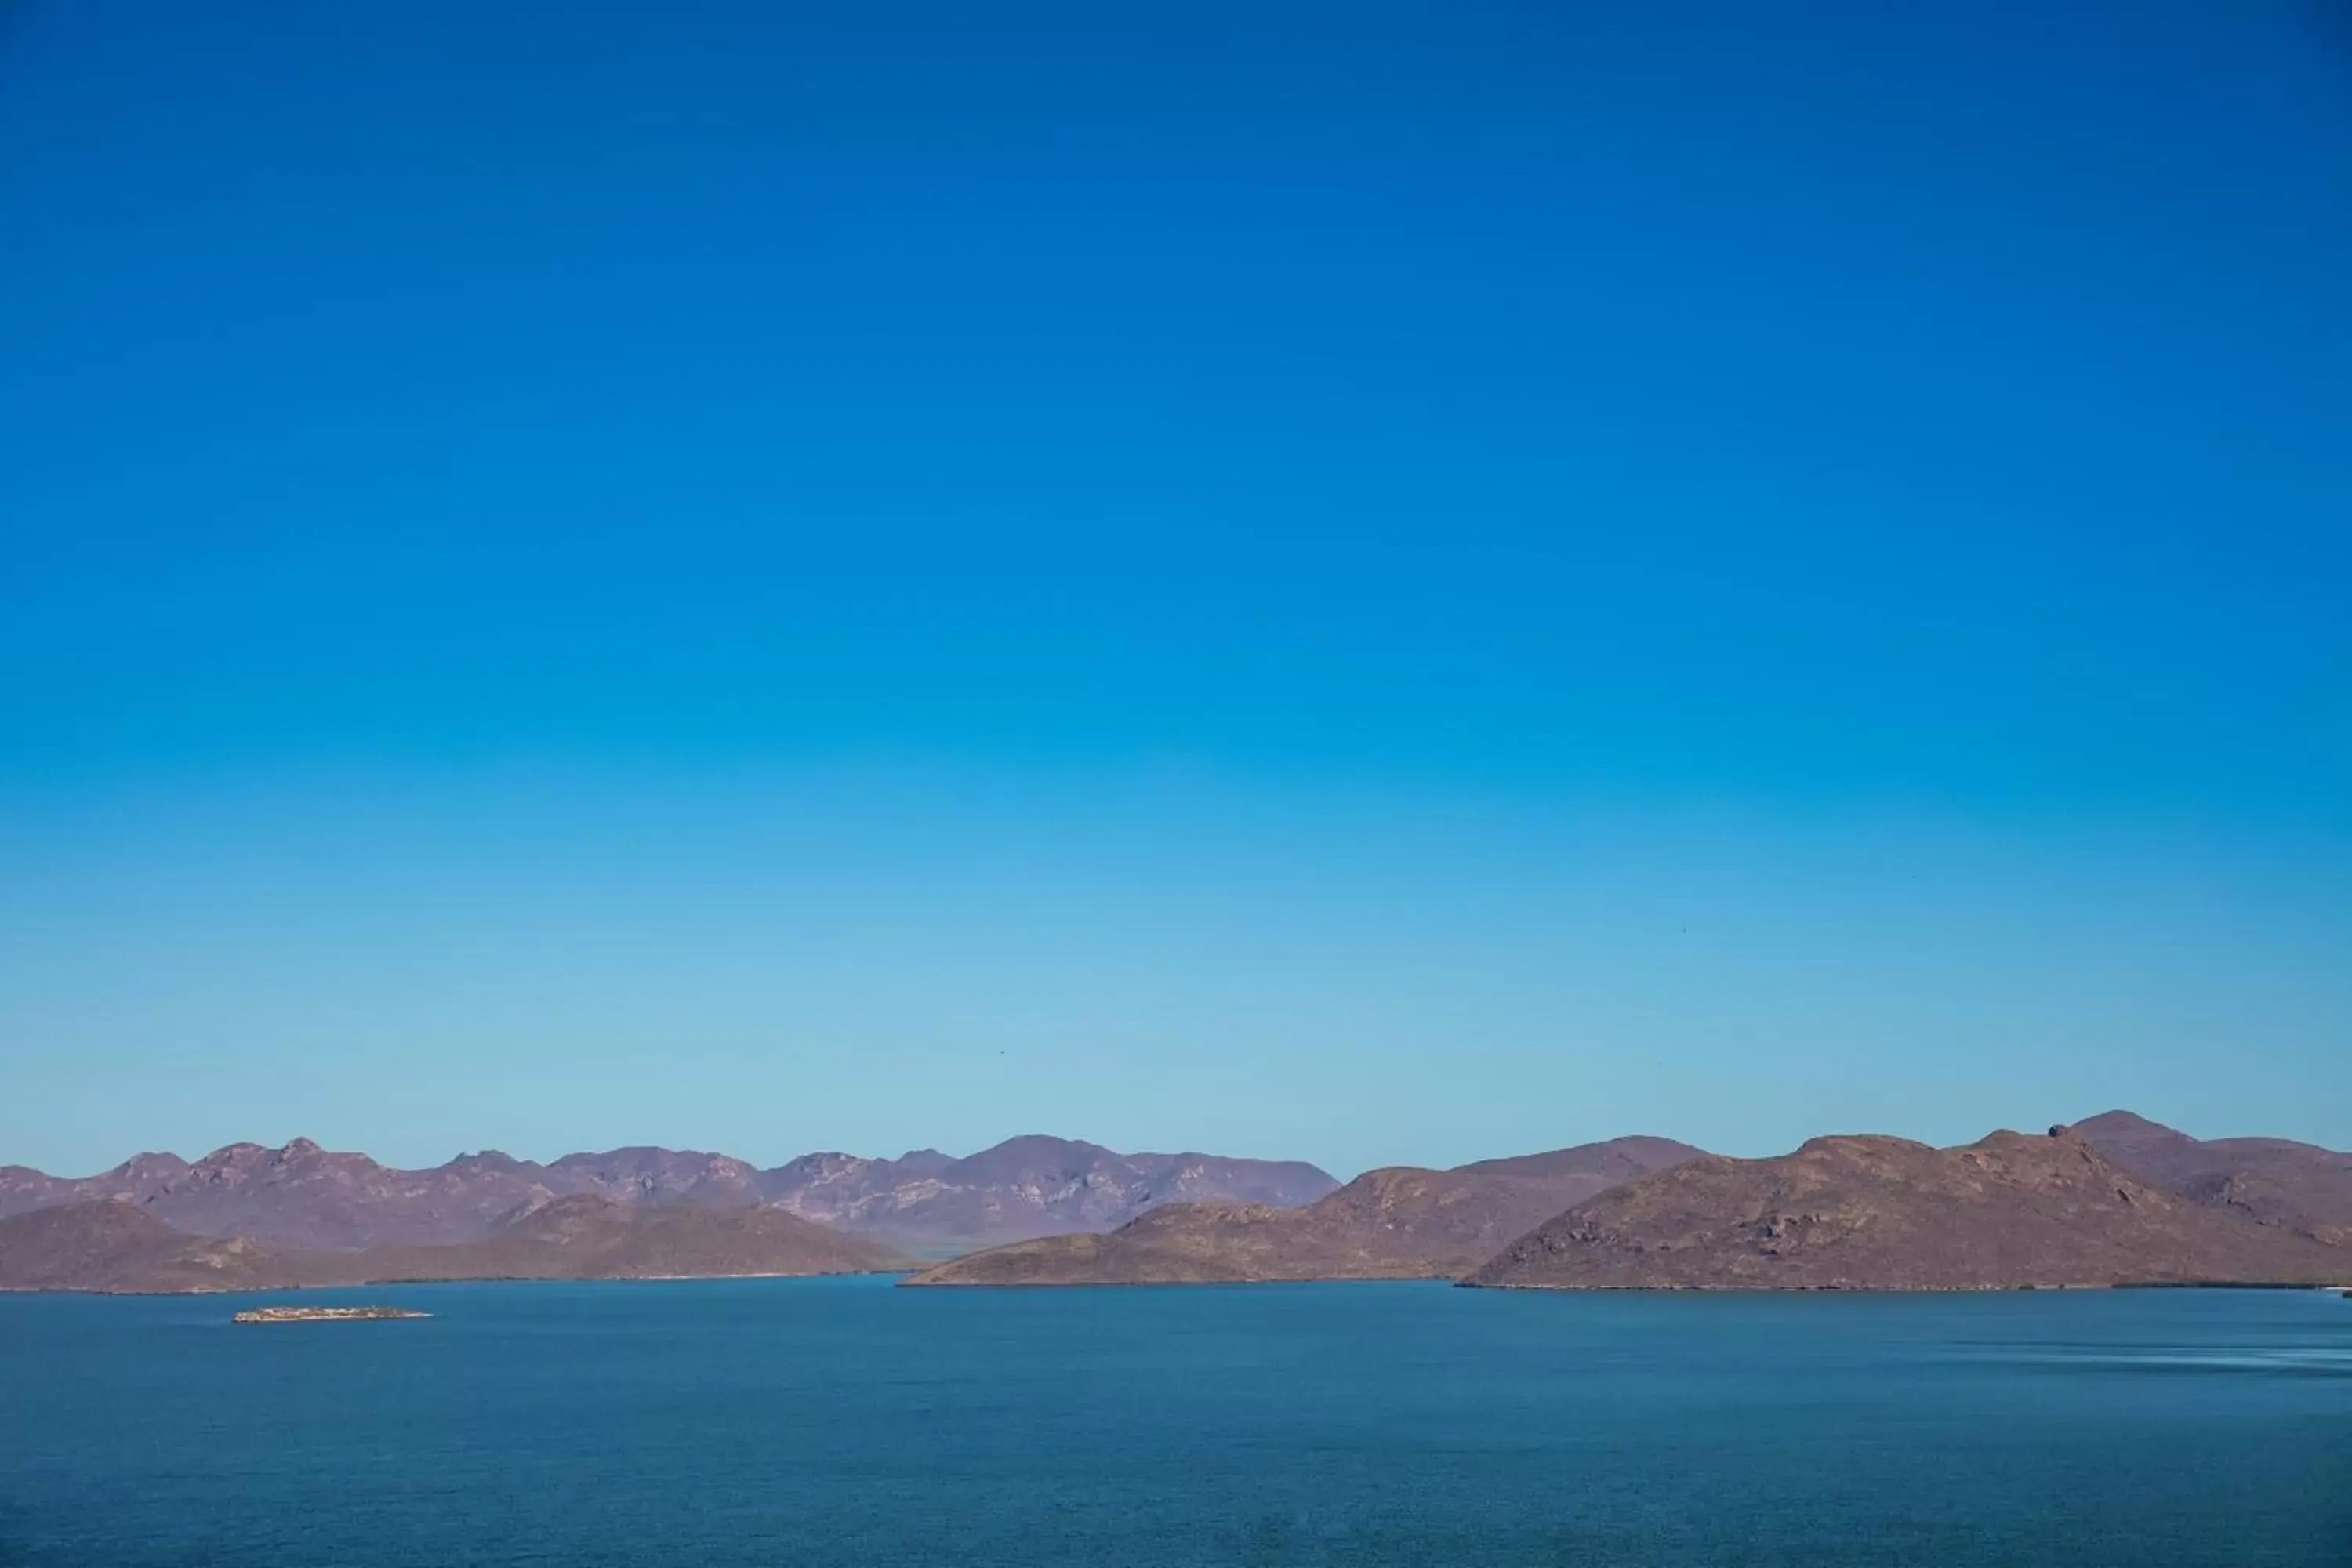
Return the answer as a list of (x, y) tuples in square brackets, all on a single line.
[(1886, 1214)]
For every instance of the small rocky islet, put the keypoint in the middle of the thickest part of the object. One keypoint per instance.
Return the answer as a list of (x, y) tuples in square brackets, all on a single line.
[(325, 1314)]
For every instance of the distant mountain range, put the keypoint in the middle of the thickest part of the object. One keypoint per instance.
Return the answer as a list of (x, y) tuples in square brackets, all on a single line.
[(2114, 1200), (303, 1196), (1400, 1223), (927, 1201)]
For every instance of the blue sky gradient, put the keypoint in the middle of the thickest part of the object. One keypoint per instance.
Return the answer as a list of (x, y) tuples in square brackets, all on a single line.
[(1378, 584)]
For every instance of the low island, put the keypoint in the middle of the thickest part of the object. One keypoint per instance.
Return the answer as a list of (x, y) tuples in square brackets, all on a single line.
[(324, 1314)]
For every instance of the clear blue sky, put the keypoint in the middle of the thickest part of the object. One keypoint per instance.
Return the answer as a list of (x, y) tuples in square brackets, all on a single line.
[(1378, 584)]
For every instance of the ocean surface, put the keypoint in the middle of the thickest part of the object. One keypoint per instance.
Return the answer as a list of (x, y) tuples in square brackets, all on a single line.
[(844, 1422)]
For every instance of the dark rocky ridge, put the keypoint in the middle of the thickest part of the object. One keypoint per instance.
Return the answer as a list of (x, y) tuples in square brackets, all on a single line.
[(115, 1245), (1399, 1223), (303, 1196), (1886, 1214)]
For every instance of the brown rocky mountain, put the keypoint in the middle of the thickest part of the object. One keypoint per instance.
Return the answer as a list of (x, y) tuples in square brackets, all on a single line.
[(303, 1196), (1589, 1168), (1023, 1187), (117, 1245), (2299, 1185), (1886, 1214), (659, 1178), (23, 1189), (588, 1236), (112, 1244), (1399, 1223)]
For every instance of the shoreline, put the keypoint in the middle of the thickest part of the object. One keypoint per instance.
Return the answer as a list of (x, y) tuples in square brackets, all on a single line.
[(266, 1290), (2330, 1288)]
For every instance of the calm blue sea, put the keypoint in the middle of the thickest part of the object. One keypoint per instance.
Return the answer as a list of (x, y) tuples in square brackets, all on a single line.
[(842, 1422)]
